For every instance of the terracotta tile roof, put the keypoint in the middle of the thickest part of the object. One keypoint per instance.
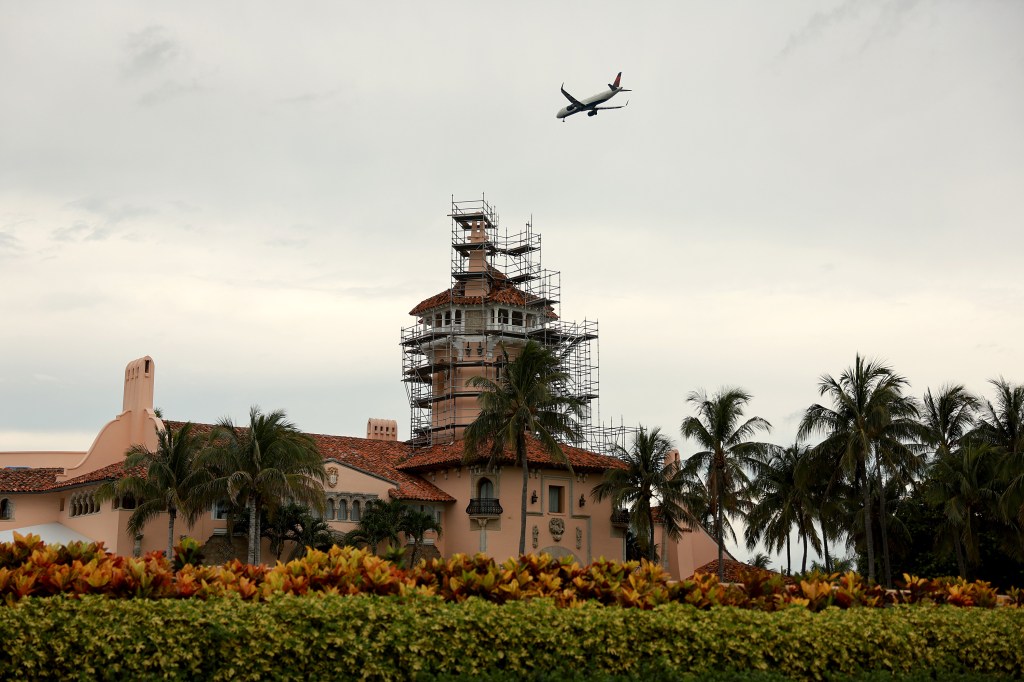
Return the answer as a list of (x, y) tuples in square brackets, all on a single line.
[(110, 472), (375, 457), (500, 292), (734, 570), (380, 458), (448, 455), (28, 480), (45, 479)]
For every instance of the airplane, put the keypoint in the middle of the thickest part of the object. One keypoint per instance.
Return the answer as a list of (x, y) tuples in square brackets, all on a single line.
[(590, 104)]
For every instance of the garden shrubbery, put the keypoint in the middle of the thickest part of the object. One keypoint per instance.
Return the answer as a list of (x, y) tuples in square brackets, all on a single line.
[(28, 567), (76, 611)]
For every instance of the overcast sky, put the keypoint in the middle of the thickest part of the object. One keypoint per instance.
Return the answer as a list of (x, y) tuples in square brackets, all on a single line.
[(255, 194)]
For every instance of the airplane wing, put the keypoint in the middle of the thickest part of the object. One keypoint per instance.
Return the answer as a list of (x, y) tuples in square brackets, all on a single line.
[(572, 99), (603, 108)]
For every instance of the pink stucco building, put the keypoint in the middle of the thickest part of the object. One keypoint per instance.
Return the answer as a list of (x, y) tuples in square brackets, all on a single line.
[(499, 298)]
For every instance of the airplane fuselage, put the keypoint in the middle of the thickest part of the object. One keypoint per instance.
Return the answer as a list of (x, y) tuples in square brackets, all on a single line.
[(588, 103)]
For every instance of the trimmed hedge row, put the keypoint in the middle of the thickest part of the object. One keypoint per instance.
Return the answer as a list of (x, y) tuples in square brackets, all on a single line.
[(392, 638)]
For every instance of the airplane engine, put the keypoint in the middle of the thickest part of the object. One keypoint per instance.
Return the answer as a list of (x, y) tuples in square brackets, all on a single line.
[(591, 113)]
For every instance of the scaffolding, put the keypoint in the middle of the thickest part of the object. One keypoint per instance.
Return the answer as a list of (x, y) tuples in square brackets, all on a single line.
[(500, 297)]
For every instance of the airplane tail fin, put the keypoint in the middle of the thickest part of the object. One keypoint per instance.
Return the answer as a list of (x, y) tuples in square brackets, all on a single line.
[(615, 85)]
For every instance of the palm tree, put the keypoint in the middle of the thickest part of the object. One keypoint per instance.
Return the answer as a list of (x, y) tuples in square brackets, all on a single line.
[(869, 423), (1002, 426), (415, 525), (525, 400), (263, 466), (782, 488), (728, 453), (960, 483), (169, 481), (381, 522), (647, 480), (947, 418)]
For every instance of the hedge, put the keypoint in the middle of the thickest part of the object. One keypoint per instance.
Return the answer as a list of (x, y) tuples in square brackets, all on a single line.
[(392, 638), (30, 568)]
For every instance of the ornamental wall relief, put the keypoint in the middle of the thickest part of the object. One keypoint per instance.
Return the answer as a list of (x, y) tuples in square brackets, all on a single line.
[(332, 476), (579, 538), (536, 533), (557, 527)]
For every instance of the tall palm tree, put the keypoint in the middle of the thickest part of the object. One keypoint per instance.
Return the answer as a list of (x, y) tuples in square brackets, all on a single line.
[(1002, 426), (264, 465), (646, 482), (782, 489), (868, 426), (415, 525), (961, 484), (728, 451), (167, 480), (525, 400), (827, 493)]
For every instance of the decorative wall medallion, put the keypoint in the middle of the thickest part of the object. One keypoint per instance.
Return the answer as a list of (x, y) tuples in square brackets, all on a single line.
[(536, 533), (557, 528), (332, 476), (579, 538)]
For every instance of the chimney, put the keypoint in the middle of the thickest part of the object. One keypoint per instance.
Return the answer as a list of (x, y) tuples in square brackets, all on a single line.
[(382, 429)]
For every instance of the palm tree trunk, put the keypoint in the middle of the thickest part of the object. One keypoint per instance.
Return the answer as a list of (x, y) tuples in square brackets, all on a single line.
[(883, 524), (253, 532), (960, 563), (824, 540), (171, 513), (869, 540), (721, 527), (803, 535), (521, 454), (789, 558), (652, 553)]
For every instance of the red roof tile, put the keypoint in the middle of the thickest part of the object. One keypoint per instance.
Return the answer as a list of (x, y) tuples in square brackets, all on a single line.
[(28, 480), (448, 455), (500, 292), (380, 458), (734, 570), (375, 457)]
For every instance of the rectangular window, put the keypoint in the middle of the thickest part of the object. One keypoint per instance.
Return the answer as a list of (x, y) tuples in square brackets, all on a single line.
[(502, 316), (220, 510), (556, 499), (517, 318)]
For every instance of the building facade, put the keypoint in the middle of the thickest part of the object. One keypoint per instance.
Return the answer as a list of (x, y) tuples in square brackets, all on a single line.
[(499, 299)]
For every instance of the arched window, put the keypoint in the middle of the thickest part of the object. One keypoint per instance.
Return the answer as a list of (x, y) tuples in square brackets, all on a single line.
[(330, 509), (355, 510), (485, 489), (6, 510), (342, 510)]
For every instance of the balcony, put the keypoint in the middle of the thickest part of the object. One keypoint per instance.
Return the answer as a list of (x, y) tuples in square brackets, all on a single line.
[(484, 506), (620, 517)]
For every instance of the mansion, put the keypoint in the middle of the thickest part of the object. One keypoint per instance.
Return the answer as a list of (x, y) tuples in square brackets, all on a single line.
[(499, 298)]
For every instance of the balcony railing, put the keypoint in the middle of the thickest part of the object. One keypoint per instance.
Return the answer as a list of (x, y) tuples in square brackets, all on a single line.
[(620, 517), (484, 506)]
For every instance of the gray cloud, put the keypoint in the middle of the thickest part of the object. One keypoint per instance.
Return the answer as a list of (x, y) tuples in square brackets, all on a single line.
[(8, 242), (149, 50)]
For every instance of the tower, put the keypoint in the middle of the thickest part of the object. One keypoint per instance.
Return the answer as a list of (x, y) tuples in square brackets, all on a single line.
[(499, 299)]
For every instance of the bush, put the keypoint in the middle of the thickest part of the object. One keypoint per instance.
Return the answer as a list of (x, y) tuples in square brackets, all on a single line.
[(391, 638)]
